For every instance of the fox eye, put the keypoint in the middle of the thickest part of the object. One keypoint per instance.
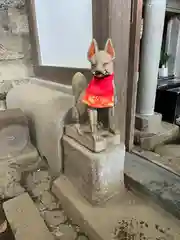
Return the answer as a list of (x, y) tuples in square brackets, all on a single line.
[(105, 64), (93, 65)]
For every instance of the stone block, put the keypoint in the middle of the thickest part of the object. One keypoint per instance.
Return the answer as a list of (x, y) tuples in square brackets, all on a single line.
[(148, 141), (46, 110), (87, 140), (140, 216), (98, 176), (148, 123), (25, 219)]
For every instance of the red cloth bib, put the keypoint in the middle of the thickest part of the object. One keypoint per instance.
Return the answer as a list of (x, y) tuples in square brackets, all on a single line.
[(100, 92)]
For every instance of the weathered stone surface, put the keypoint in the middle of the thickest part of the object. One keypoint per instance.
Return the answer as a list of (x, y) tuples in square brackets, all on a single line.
[(150, 123), (149, 140), (48, 200), (18, 21), (101, 222), (38, 182), (168, 150), (27, 160), (87, 140), (46, 110), (57, 234), (25, 220), (68, 232), (12, 3), (98, 176), (39, 189), (82, 237), (9, 182), (54, 218)]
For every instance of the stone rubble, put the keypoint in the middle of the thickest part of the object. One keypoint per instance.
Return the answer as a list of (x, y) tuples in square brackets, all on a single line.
[(38, 185)]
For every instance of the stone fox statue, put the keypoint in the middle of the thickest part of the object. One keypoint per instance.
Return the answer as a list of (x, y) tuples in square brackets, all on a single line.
[(100, 92)]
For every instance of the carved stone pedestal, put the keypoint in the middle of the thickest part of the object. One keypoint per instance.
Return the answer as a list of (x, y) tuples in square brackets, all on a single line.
[(86, 139), (97, 176)]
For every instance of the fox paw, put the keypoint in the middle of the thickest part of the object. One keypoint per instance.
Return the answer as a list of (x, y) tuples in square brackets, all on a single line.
[(97, 137), (80, 132)]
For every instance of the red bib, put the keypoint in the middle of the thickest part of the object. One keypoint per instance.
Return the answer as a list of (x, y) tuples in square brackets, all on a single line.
[(100, 92)]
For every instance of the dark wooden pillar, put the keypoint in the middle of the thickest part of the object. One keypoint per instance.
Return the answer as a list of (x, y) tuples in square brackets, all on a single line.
[(100, 9), (119, 28), (134, 48), (112, 19)]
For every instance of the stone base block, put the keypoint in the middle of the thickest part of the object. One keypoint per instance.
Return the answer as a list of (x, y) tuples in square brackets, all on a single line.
[(148, 140), (87, 140), (124, 217), (97, 176), (25, 220), (150, 123)]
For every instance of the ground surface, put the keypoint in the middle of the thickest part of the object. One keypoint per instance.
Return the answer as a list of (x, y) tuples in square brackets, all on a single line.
[(38, 185)]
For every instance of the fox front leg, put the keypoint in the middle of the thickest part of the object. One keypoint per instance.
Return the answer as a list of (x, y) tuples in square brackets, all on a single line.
[(93, 119), (112, 123), (75, 114)]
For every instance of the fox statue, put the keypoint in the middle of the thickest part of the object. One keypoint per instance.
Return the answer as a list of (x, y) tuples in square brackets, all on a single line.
[(100, 92)]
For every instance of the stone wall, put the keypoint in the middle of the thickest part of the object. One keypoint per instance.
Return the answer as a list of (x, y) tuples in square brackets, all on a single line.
[(15, 50)]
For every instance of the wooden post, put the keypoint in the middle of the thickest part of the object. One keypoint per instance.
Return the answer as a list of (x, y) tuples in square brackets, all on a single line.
[(119, 28), (134, 48)]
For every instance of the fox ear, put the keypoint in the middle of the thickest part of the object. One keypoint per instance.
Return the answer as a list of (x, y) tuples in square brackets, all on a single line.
[(92, 49), (109, 48)]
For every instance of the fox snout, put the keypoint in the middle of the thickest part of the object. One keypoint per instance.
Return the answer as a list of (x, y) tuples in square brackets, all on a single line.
[(100, 73)]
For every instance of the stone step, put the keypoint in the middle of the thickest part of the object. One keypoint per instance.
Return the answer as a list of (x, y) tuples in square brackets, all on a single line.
[(153, 179), (25, 220), (126, 215)]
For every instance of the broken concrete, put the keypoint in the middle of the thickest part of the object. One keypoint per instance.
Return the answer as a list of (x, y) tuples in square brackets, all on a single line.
[(149, 140), (105, 222), (46, 110), (25, 220), (98, 176)]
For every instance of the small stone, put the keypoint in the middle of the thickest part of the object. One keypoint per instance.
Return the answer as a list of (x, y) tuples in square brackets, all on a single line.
[(68, 232), (54, 218), (48, 200)]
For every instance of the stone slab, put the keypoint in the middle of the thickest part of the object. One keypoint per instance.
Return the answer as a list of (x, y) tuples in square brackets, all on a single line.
[(25, 220), (100, 223), (149, 123), (152, 178), (98, 176), (148, 140), (87, 140), (47, 110)]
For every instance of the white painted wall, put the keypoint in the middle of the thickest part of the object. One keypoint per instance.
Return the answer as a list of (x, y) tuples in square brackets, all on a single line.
[(64, 31)]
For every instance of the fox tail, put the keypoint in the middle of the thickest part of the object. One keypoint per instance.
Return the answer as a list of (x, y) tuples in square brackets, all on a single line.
[(79, 84)]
